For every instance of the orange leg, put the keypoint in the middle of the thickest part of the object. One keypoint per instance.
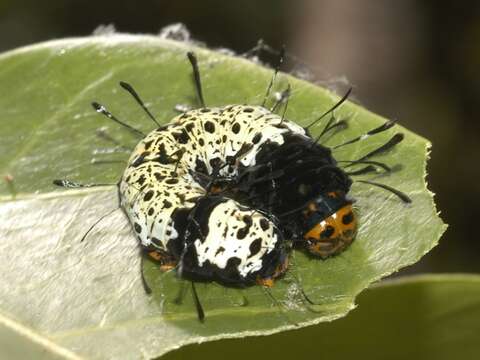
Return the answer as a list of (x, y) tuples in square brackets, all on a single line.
[(270, 281), (166, 261), (267, 282)]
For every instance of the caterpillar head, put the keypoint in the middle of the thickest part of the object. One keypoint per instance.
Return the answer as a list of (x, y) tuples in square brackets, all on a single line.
[(331, 225)]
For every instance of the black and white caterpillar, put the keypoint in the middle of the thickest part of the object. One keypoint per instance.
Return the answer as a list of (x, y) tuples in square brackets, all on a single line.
[(179, 193), (224, 194)]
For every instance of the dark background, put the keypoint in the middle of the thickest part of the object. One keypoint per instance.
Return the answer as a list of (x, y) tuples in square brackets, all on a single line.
[(413, 61)]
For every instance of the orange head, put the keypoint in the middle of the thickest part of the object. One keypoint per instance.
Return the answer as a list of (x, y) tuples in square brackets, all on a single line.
[(329, 235)]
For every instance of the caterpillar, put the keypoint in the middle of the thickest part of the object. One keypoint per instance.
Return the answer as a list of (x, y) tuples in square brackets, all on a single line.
[(225, 193)]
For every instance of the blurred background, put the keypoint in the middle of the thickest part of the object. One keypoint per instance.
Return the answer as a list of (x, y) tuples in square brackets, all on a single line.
[(417, 62)]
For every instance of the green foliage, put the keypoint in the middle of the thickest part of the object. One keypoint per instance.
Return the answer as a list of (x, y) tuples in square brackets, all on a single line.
[(422, 317), (88, 296)]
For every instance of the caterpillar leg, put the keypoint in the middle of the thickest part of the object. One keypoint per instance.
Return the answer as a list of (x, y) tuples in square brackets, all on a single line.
[(167, 262), (279, 271)]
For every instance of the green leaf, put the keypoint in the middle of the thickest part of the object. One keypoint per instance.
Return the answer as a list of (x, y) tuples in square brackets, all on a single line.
[(88, 296), (418, 317)]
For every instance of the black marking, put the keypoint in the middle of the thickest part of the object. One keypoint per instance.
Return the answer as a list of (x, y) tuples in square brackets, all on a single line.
[(264, 224), (347, 218), (148, 195), (236, 128), (163, 157), (209, 127), (255, 247), (182, 137), (137, 228), (158, 176), (220, 250), (328, 232), (200, 167), (148, 144), (141, 179), (256, 139), (242, 233), (247, 219), (215, 163), (232, 265)]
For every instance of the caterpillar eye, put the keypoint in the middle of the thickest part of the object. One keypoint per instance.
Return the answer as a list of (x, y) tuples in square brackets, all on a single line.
[(332, 235)]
